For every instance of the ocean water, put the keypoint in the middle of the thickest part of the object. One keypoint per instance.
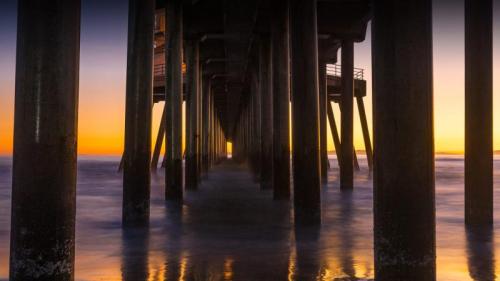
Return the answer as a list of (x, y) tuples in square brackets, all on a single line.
[(229, 229)]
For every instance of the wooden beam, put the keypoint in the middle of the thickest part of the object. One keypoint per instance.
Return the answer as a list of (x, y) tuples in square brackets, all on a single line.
[(334, 130), (159, 141), (366, 133)]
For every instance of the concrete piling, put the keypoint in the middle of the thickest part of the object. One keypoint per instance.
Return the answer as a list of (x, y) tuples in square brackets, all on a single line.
[(205, 119), (323, 97), (479, 112), (136, 164), (281, 100), (193, 69), (256, 114), (266, 92), (174, 90), (346, 120), (404, 211), (305, 115), (42, 245)]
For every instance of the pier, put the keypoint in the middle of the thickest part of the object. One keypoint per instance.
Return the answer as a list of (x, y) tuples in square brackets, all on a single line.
[(255, 75)]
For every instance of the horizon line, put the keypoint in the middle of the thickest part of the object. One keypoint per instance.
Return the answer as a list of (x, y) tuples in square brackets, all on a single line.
[(111, 154)]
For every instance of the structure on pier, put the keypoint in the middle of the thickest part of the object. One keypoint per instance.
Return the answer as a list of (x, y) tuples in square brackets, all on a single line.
[(334, 92)]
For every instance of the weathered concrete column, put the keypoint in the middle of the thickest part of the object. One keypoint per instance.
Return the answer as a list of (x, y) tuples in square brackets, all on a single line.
[(174, 30), (212, 130), (281, 99), (257, 140), (249, 130), (266, 90), (193, 69), (139, 104), (214, 138), (240, 141), (217, 141), (479, 112), (199, 120), (237, 140), (322, 121), (305, 116), (404, 211), (45, 138), (205, 119), (224, 147), (346, 119), (221, 138)]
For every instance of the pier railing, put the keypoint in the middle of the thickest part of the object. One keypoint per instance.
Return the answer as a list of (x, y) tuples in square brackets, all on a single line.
[(331, 70), (336, 70), (159, 70)]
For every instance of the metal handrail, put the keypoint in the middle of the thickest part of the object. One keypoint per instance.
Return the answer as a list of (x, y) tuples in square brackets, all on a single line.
[(331, 70), (336, 70), (159, 70)]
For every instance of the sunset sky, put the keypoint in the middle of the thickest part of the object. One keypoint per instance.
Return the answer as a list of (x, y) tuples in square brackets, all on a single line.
[(103, 66)]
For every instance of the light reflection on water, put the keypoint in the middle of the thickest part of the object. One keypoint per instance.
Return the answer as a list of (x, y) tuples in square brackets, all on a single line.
[(231, 230)]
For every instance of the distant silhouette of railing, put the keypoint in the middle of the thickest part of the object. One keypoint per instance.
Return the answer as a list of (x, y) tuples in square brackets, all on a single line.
[(159, 70), (331, 70), (336, 70)]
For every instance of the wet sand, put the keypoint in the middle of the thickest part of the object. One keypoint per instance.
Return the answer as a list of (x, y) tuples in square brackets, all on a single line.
[(229, 229)]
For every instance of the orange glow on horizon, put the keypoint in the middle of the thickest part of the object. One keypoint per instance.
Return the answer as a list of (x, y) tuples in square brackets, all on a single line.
[(102, 99)]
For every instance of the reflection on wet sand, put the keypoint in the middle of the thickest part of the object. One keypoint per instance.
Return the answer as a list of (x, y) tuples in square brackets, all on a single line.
[(135, 248), (307, 258), (347, 237), (230, 230), (175, 258), (480, 253)]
